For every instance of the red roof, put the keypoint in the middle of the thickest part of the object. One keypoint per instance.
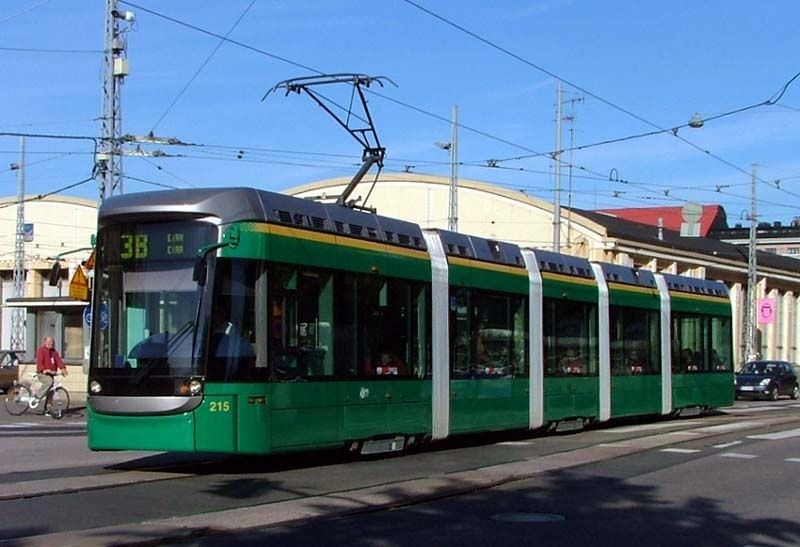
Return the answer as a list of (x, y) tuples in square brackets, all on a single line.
[(713, 217)]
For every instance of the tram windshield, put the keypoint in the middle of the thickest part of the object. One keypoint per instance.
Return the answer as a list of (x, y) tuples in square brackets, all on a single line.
[(146, 298)]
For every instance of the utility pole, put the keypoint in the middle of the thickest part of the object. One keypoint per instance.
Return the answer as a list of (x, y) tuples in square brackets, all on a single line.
[(571, 119), (452, 219), (18, 314), (751, 325), (557, 158), (115, 68), (452, 148)]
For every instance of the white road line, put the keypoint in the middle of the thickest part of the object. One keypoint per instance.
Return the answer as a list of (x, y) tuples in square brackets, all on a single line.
[(737, 455), (680, 450), (793, 460), (734, 426), (650, 427), (749, 409), (615, 445), (515, 443), (727, 445), (777, 435)]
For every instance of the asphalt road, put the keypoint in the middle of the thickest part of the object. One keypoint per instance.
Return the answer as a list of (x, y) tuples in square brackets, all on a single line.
[(666, 481)]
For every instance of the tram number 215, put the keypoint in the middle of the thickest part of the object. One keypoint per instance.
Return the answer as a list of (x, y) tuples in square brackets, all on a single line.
[(219, 406)]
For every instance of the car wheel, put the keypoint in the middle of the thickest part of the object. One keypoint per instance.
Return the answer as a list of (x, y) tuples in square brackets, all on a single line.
[(774, 394), (795, 391)]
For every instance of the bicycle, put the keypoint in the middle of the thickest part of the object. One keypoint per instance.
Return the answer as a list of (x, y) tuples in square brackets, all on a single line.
[(20, 398)]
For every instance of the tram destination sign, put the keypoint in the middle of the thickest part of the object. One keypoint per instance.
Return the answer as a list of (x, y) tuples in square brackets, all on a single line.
[(158, 241)]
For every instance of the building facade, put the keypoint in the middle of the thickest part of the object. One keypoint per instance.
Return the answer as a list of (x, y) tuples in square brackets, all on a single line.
[(57, 228)]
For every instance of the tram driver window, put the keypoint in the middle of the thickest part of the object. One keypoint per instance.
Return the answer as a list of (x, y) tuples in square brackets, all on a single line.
[(231, 331)]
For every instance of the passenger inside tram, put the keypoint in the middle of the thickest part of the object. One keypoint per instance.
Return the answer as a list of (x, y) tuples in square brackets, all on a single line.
[(572, 363), (635, 363)]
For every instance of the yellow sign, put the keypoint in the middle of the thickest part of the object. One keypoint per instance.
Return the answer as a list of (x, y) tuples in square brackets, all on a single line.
[(90, 261), (79, 285)]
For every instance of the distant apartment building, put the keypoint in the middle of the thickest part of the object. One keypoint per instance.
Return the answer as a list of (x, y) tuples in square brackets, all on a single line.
[(774, 238)]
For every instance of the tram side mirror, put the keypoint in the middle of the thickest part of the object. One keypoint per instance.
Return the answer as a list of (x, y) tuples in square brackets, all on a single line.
[(55, 274), (200, 272)]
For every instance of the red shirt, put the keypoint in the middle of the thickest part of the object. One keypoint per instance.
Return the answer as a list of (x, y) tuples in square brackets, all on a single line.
[(48, 359)]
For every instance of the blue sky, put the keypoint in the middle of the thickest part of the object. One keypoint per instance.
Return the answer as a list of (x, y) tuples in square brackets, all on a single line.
[(628, 67)]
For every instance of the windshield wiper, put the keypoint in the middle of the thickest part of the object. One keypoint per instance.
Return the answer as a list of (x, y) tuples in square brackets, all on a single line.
[(160, 358)]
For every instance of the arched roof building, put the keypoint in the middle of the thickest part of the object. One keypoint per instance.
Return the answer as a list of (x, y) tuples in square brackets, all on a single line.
[(490, 211)]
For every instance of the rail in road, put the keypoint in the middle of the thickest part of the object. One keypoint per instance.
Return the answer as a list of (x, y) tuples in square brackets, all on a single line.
[(605, 444)]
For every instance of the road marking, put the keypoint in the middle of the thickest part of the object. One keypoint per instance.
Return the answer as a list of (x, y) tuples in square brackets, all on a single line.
[(793, 460), (614, 445), (738, 455), (777, 435), (748, 409), (515, 443), (727, 445), (680, 450), (650, 427), (734, 426)]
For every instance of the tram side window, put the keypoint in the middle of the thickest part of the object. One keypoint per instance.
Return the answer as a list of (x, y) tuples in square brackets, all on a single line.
[(635, 341), (488, 334), (570, 338), (300, 312), (381, 327), (700, 343), (721, 344)]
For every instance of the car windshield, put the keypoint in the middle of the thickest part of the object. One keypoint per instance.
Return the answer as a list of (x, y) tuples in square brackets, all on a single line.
[(760, 368)]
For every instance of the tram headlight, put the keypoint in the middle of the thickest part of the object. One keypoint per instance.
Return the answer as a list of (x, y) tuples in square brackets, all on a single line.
[(192, 387), (195, 387), (95, 388)]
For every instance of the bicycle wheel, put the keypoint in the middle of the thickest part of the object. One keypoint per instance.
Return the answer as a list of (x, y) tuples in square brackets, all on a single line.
[(59, 403), (17, 400)]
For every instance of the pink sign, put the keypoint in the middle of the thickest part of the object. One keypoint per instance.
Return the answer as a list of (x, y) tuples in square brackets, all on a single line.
[(766, 311)]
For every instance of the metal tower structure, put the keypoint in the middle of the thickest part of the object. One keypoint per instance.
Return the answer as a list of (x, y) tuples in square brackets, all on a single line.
[(115, 68), (18, 314)]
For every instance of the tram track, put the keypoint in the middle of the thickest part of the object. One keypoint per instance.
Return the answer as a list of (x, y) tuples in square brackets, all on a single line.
[(169, 467)]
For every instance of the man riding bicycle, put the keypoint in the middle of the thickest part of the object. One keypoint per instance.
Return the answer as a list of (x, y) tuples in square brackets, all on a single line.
[(48, 363)]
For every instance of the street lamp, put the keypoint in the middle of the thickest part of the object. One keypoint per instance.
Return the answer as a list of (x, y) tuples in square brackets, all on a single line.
[(696, 121), (750, 320)]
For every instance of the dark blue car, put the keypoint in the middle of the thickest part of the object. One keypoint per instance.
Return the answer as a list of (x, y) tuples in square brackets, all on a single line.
[(766, 380)]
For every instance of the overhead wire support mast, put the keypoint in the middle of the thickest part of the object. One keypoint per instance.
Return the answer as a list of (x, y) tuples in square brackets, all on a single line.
[(373, 152)]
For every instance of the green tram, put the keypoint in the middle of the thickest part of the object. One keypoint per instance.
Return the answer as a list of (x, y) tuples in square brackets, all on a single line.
[(234, 320)]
